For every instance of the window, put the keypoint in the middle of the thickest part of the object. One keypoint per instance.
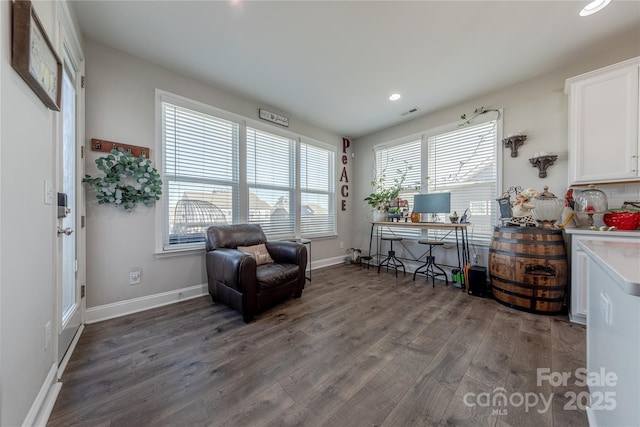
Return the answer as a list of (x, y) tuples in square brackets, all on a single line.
[(464, 162), (399, 164), (271, 179), (398, 160), (317, 194), (199, 173), (286, 185)]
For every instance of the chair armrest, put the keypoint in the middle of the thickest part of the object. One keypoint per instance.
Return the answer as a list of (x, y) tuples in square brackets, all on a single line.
[(232, 268), (284, 252)]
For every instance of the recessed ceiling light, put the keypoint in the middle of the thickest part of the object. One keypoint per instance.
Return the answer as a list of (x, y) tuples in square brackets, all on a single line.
[(594, 6), (395, 97)]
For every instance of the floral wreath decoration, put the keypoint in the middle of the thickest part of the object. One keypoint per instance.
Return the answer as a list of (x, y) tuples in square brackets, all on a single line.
[(127, 180)]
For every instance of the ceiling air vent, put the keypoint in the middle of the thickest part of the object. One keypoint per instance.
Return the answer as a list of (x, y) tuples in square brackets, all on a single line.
[(413, 110)]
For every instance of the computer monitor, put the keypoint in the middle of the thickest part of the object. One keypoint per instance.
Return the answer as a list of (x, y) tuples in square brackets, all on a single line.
[(433, 203)]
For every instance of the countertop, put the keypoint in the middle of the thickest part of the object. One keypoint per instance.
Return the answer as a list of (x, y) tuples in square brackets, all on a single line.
[(621, 260), (614, 233)]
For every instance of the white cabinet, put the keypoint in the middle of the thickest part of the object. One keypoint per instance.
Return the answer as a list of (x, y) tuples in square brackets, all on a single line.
[(613, 333), (604, 110), (578, 307)]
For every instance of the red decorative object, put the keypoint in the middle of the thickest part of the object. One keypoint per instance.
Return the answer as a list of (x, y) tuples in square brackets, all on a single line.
[(622, 220)]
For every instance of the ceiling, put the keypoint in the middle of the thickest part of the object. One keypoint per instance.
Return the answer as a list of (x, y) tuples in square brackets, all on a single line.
[(335, 63)]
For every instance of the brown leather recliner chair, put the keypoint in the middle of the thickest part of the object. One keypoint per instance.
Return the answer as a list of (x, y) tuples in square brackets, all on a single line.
[(235, 279)]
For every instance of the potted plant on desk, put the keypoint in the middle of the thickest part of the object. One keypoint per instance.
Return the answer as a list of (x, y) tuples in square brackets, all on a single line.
[(380, 201), (382, 198)]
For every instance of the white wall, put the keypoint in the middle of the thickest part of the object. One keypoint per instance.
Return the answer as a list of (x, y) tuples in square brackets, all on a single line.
[(120, 107), (27, 269), (537, 106)]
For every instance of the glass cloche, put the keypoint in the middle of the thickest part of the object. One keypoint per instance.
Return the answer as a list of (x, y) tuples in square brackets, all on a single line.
[(591, 201), (548, 208)]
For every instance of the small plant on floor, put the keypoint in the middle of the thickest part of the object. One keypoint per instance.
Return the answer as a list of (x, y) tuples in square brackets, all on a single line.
[(355, 254)]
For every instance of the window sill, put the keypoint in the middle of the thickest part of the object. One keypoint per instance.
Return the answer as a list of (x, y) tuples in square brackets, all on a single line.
[(189, 251)]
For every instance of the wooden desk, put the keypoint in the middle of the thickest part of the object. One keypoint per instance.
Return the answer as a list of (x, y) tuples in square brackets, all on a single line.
[(462, 241)]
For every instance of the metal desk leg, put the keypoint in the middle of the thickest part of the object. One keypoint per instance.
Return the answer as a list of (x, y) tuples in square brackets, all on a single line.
[(309, 243), (371, 238), (465, 247), (458, 250)]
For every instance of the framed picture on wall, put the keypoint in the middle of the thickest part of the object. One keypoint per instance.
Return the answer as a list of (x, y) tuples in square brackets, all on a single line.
[(33, 55)]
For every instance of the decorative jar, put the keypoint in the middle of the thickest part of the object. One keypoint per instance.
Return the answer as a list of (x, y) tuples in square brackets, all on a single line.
[(591, 201), (548, 208)]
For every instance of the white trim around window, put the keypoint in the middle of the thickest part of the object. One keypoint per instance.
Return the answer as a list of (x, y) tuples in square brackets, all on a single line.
[(218, 167)]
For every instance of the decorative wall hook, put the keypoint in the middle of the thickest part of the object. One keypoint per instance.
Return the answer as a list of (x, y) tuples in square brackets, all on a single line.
[(542, 163), (514, 142)]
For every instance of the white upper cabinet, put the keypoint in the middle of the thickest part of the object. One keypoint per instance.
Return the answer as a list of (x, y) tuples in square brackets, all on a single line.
[(603, 124)]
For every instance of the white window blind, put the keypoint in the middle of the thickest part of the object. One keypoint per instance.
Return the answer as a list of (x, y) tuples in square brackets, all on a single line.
[(317, 191), (392, 163), (199, 173), (271, 178), (464, 162), (201, 148)]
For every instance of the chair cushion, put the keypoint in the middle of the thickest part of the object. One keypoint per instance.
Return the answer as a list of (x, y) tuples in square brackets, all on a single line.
[(273, 275), (259, 252)]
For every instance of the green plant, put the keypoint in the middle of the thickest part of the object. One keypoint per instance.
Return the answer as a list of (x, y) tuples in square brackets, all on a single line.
[(381, 198), (127, 180), (355, 253), (477, 112)]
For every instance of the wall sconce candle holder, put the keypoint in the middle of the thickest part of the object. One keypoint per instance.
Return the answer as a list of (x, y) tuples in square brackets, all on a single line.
[(514, 142), (542, 163)]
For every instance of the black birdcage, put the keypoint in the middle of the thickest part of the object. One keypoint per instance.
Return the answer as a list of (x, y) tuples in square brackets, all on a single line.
[(191, 217)]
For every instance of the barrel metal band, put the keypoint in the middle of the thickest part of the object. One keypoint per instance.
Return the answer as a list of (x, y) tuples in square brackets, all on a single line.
[(530, 297), (525, 285), (529, 242), (521, 255)]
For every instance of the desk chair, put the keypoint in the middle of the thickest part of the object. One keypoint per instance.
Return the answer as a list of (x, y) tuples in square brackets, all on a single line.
[(391, 261), (430, 263)]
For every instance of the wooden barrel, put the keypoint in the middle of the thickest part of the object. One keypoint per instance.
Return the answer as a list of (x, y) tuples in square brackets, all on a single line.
[(528, 268)]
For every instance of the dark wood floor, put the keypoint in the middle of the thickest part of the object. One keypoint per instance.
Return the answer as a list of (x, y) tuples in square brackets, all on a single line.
[(358, 349)]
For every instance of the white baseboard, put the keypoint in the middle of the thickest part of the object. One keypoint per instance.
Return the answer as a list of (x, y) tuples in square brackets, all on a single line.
[(580, 319), (43, 404), (121, 308), (327, 262)]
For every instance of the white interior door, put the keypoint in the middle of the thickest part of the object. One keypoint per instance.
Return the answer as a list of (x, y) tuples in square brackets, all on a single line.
[(70, 260)]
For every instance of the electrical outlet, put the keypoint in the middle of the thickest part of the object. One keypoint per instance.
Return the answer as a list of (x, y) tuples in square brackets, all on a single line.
[(341, 245), (134, 277), (47, 335)]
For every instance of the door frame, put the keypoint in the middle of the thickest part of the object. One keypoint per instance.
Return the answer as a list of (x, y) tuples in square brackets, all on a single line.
[(69, 45)]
